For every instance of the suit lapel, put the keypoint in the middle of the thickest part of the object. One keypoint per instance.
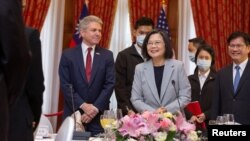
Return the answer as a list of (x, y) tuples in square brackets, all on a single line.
[(243, 77), (150, 78), (210, 76), (230, 79), (134, 52), (168, 70), (79, 60), (97, 59)]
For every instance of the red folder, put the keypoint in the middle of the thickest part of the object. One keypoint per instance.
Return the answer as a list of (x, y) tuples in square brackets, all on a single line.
[(195, 108)]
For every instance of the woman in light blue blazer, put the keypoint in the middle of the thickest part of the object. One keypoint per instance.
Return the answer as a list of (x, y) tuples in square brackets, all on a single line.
[(161, 83)]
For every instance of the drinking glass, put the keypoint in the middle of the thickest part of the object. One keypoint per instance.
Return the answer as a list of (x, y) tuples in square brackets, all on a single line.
[(212, 122), (220, 120), (229, 119), (118, 116), (107, 122)]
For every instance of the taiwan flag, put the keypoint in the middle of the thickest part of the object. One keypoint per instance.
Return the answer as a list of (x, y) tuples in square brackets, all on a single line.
[(77, 39)]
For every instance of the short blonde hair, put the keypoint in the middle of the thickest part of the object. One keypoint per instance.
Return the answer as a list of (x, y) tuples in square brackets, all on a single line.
[(87, 20)]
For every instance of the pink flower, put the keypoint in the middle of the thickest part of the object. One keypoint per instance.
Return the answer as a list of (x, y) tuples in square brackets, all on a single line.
[(183, 125), (152, 123), (131, 126), (165, 123), (154, 126)]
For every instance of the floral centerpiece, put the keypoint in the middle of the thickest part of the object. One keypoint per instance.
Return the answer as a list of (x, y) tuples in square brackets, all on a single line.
[(150, 126)]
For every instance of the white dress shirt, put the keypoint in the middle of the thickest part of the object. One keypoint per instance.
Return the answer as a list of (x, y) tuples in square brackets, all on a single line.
[(139, 50), (203, 77), (242, 68), (85, 52)]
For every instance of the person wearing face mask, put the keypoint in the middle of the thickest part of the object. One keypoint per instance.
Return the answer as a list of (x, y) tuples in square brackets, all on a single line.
[(193, 45), (126, 62), (202, 84)]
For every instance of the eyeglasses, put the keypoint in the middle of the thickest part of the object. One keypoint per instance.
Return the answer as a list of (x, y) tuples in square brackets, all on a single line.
[(238, 46), (157, 43)]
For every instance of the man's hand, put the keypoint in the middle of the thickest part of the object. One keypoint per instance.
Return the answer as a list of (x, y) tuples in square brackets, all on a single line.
[(90, 110), (33, 124), (86, 118)]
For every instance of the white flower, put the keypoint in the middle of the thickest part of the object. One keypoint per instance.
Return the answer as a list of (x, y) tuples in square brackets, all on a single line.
[(131, 139), (168, 115), (160, 136), (192, 136), (172, 127)]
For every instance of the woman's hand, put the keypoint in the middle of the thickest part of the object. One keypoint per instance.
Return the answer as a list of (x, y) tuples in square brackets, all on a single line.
[(201, 118), (161, 110), (193, 119)]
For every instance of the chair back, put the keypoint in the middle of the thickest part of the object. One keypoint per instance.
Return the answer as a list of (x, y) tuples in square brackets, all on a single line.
[(65, 131)]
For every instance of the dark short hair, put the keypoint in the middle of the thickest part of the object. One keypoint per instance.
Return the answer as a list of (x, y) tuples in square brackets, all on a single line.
[(207, 48), (144, 21), (168, 47), (197, 42), (237, 34)]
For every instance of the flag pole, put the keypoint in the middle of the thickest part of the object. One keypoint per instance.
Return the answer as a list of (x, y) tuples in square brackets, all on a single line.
[(87, 3), (164, 5)]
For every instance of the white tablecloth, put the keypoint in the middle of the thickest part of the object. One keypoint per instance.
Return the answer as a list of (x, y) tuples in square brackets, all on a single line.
[(53, 136)]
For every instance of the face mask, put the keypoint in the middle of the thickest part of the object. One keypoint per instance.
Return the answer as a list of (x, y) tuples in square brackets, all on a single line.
[(140, 39), (191, 56), (203, 64)]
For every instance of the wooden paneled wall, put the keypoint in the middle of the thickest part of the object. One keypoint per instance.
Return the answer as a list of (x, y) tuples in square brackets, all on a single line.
[(172, 16)]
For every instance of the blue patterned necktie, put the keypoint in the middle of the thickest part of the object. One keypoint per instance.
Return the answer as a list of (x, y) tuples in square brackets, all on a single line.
[(237, 78)]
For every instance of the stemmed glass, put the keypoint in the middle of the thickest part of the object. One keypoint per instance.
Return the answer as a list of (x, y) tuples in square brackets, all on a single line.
[(118, 116), (220, 120), (229, 119), (107, 121)]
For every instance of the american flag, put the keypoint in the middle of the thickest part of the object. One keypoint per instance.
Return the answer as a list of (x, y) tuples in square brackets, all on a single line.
[(77, 39), (162, 22)]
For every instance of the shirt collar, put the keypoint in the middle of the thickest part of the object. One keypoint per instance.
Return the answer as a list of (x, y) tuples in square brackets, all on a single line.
[(242, 65), (138, 49), (85, 47), (204, 75)]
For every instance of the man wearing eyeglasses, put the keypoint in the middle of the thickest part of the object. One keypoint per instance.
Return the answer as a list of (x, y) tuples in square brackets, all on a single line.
[(232, 82)]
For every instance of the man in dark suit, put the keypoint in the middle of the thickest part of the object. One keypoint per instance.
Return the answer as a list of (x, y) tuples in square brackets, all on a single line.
[(14, 59), (87, 74), (232, 82), (25, 113), (126, 62)]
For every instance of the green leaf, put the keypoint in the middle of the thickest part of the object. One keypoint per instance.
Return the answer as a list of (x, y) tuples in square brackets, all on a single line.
[(171, 135)]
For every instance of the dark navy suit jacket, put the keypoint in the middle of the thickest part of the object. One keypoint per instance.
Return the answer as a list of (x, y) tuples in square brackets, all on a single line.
[(97, 92), (225, 101)]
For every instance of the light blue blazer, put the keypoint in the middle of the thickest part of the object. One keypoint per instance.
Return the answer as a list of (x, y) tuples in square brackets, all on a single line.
[(144, 91)]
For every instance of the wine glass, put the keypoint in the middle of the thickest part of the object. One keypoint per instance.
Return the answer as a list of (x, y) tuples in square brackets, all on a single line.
[(220, 120), (229, 119), (107, 122), (212, 122), (104, 124), (117, 117)]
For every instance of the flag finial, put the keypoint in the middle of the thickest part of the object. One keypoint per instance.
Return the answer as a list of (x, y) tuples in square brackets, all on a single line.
[(163, 2)]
